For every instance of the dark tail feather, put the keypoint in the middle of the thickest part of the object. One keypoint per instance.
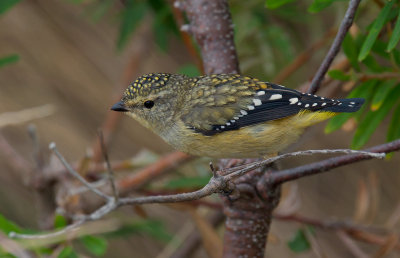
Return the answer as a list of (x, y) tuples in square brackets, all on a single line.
[(347, 105)]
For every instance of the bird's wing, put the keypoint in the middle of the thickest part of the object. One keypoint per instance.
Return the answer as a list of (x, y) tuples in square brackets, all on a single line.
[(224, 102)]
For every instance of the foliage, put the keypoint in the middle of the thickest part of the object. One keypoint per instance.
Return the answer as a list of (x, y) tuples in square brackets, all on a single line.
[(373, 52), (299, 242)]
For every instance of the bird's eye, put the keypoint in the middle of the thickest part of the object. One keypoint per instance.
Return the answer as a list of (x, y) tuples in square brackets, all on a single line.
[(148, 104)]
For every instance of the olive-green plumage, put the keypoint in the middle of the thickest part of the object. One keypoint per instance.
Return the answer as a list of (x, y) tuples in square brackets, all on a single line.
[(224, 115)]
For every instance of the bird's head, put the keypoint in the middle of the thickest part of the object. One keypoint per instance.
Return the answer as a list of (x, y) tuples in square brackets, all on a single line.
[(152, 99)]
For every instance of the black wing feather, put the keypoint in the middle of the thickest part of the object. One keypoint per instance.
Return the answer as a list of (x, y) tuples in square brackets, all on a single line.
[(286, 102)]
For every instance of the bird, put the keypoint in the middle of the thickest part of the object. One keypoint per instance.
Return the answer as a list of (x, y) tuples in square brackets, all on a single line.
[(226, 115)]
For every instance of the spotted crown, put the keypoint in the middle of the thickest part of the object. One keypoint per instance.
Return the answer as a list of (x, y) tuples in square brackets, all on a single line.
[(147, 83)]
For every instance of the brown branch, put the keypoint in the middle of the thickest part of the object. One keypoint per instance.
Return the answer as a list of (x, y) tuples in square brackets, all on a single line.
[(318, 167), (187, 41), (211, 26), (369, 234), (334, 50)]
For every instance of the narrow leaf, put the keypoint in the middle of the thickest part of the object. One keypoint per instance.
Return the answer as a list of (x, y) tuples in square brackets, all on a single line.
[(273, 4), (95, 245), (132, 15), (59, 221), (5, 5), (394, 127), (8, 226), (364, 90), (394, 39), (374, 31), (338, 75), (67, 252), (350, 49), (299, 243), (8, 59), (189, 70), (374, 118), (319, 5), (381, 94)]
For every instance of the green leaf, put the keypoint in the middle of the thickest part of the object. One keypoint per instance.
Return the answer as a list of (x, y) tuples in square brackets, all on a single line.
[(364, 90), (374, 31), (373, 65), (373, 119), (381, 94), (5, 5), (160, 33), (339, 75), (68, 252), (8, 59), (394, 39), (187, 182), (95, 245), (394, 127), (299, 243), (59, 221), (150, 227), (350, 49), (132, 15), (8, 226), (273, 4), (319, 5), (189, 70)]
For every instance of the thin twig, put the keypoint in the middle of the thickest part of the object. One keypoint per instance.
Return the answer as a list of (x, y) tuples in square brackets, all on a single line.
[(235, 172), (52, 147), (216, 184), (111, 177), (328, 164), (334, 50)]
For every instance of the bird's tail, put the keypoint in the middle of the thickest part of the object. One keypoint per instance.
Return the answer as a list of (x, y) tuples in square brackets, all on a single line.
[(346, 105)]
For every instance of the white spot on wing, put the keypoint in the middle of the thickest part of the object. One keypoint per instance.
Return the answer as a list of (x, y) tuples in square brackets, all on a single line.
[(260, 93), (236, 117), (323, 104), (293, 100), (352, 103), (250, 107), (299, 103), (243, 112), (257, 102), (275, 96), (307, 105), (222, 127), (314, 104)]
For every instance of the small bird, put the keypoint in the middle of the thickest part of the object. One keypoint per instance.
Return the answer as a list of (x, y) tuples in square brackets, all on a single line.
[(226, 115)]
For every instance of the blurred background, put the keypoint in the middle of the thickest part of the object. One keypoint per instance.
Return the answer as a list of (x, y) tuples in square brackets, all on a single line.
[(70, 60)]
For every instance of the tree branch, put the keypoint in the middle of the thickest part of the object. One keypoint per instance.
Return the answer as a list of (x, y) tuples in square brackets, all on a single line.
[(334, 50), (282, 176), (220, 182)]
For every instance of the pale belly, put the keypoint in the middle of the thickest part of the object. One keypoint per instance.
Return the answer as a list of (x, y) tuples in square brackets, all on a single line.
[(255, 141)]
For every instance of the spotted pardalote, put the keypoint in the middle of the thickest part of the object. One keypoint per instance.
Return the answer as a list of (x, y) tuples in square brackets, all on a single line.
[(226, 115)]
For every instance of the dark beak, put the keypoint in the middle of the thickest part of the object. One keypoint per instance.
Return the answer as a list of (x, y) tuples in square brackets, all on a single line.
[(119, 106)]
